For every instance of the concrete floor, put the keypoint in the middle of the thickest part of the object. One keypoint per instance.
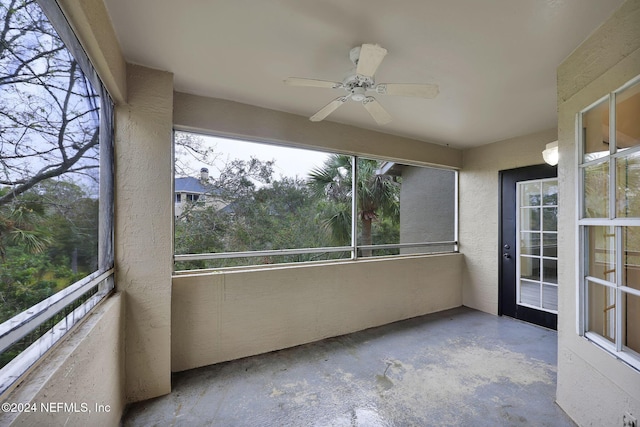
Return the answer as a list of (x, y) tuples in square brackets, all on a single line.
[(458, 367)]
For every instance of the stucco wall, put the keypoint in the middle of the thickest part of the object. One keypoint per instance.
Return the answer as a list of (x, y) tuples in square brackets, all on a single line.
[(479, 211), (87, 367), (227, 315), (593, 387), (228, 118), (143, 228)]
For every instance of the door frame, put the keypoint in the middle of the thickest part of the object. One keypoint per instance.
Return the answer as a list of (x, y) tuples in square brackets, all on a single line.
[(541, 171)]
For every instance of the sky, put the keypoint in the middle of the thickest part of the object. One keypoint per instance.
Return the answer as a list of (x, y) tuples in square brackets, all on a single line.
[(289, 162)]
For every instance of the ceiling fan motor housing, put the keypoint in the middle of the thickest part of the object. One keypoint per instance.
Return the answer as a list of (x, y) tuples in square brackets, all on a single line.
[(353, 83)]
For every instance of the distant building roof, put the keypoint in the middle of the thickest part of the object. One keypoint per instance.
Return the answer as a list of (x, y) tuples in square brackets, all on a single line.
[(189, 184), (390, 168)]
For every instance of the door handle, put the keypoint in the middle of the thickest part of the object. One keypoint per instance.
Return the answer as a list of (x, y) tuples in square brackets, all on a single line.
[(506, 255)]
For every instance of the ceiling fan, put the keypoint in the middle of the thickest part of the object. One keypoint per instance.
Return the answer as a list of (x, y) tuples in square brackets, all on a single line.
[(366, 58)]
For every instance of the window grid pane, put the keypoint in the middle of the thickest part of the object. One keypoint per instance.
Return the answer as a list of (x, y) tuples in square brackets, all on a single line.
[(627, 123), (631, 257), (595, 132), (530, 194), (600, 249), (602, 311), (529, 219), (550, 297), (529, 243), (631, 322), (628, 185), (610, 223), (529, 293), (596, 191)]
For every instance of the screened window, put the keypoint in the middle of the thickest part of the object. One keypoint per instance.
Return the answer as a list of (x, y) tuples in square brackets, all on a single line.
[(265, 204), (56, 256), (610, 222)]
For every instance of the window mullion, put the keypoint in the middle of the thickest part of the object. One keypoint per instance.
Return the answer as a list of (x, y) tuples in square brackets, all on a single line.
[(612, 151), (619, 303), (580, 229), (354, 207)]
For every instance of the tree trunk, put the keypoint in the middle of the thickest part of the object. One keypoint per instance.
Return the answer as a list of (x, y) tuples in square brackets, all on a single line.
[(366, 237)]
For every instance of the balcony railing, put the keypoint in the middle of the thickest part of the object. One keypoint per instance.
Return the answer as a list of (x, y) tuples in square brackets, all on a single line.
[(65, 308)]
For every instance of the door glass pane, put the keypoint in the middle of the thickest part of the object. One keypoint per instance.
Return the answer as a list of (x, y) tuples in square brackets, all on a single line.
[(596, 191), (628, 185), (529, 243), (530, 268), (550, 193), (595, 124), (550, 219), (632, 324), (530, 293), (600, 250), (550, 270), (550, 297), (538, 213), (631, 257), (628, 117), (550, 245), (602, 310), (530, 194), (530, 219)]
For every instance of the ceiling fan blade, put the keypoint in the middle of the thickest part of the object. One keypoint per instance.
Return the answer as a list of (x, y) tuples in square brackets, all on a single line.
[(371, 55), (328, 109), (408, 89), (298, 81), (378, 113)]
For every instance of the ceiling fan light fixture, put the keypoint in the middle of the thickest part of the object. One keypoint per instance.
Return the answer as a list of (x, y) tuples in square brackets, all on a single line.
[(550, 153), (358, 94)]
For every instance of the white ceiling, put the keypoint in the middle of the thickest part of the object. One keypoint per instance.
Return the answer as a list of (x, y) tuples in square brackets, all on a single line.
[(494, 60)]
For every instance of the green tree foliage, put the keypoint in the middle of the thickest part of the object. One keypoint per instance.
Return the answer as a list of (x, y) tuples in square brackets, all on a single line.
[(378, 200), (48, 240), (20, 224), (243, 216), (280, 216), (248, 210)]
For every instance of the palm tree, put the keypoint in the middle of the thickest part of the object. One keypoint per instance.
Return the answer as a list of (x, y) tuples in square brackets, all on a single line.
[(19, 225), (376, 195)]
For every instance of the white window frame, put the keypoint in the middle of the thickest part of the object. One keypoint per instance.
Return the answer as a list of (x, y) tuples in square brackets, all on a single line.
[(616, 348)]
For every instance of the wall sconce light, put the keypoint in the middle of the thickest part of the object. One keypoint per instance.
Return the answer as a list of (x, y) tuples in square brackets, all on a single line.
[(550, 154)]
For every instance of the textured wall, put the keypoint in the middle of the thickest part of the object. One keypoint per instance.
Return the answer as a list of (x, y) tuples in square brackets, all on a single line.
[(143, 221), (87, 367), (479, 195), (260, 124), (593, 387), (224, 316)]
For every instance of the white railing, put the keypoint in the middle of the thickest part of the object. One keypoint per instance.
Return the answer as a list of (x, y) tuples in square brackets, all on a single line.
[(21, 325), (277, 252)]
